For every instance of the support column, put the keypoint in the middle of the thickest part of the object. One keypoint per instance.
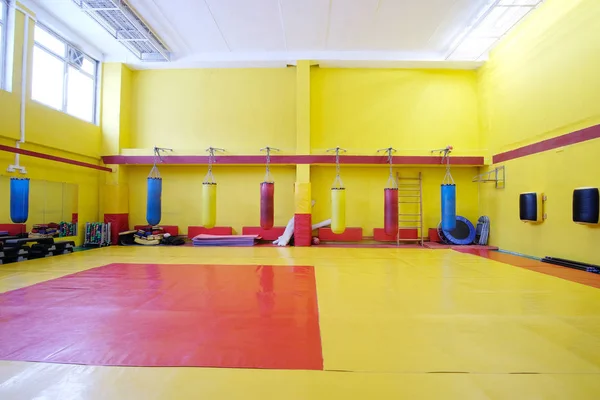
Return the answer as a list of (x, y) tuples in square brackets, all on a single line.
[(116, 94), (303, 199)]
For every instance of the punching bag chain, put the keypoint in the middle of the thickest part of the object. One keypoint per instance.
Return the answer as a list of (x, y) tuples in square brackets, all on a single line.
[(391, 183), (268, 150), (337, 182), (157, 158), (209, 178), (448, 179), (445, 154)]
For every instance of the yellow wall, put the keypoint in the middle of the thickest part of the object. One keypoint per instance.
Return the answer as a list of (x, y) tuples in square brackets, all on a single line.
[(116, 107), (51, 132), (54, 129), (412, 110), (541, 82), (125, 101), (116, 131), (243, 110), (237, 195), (9, 108), (364, 194), (111, 107), (240, 110)]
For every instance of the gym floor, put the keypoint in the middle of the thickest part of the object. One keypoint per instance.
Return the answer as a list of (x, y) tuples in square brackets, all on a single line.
[(328, 323)]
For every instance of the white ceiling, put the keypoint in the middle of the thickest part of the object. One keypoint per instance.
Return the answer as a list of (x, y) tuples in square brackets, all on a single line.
[(221, 33)]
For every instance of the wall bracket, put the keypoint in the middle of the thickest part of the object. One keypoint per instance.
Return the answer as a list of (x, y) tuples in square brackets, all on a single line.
[(497, 175)]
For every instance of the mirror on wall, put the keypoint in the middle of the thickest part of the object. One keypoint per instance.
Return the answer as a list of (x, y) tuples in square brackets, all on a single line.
[(53, 208)]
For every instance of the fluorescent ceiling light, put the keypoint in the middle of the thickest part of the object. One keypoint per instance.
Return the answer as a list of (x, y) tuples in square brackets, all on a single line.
[(495, 22), (123, 23)]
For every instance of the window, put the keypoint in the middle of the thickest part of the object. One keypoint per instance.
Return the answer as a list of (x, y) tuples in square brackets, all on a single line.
[(3, 23), (63, 76)]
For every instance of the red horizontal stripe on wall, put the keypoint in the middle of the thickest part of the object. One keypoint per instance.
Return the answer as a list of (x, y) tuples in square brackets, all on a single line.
[(593, 132), (53, 158), (291, 160)]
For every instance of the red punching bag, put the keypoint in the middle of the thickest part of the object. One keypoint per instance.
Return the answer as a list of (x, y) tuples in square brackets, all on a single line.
[(390, 199), (391, 211), (267, 194), (267, 206)]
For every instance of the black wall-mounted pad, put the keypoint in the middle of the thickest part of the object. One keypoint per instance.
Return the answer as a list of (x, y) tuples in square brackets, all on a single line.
[(528, 207), (586, 205)]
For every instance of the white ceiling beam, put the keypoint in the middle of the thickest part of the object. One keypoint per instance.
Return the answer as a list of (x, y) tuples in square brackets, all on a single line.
[(328, 24), (281, 20), (212, 15)]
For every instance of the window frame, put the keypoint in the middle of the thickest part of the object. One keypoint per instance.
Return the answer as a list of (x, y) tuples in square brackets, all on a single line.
[(67, 62), (3, 44)]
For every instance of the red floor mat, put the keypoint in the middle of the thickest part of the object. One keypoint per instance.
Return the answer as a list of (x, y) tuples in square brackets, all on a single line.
[(438, 246), (235, 316), (573, 275)]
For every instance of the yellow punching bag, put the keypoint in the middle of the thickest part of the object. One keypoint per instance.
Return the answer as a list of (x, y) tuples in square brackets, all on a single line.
[(209, 193), (209, 204), (338, 197), (338, 210)]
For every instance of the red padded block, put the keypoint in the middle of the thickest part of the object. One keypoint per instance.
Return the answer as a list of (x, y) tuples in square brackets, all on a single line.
[(409, 234), (217, 230), (302, 230), (119, 223), (380, 235), (266, 234), (171, 229), (434, 236), (349, 235), (167, 315), (13, 229)]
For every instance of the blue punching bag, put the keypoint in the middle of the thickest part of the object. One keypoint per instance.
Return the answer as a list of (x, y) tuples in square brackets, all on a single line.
[(153, 206), (448, 207), (19, 200)]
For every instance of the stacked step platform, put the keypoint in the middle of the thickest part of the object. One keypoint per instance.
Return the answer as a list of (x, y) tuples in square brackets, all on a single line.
[(15, 249)]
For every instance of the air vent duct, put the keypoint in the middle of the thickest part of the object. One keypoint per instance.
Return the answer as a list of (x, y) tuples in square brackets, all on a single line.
[(121, 21)]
